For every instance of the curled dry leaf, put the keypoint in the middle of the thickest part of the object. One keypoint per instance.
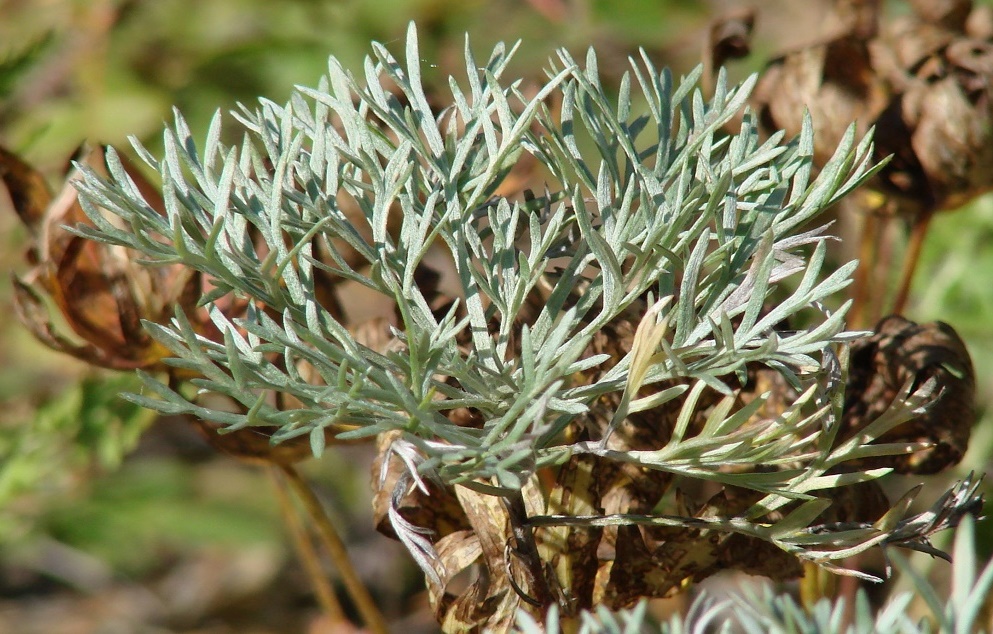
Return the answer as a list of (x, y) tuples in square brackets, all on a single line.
[(27, 189), (100, 291), (729, 37), (834, 81), (902, 352), (948, 14), (939, 128), (103, 294), (471, 532)]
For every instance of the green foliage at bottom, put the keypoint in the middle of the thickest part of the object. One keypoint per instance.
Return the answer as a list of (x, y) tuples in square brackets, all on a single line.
[(86, 426)]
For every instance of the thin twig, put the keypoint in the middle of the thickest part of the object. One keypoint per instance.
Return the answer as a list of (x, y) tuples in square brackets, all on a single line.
[(860, 311), (913, 255), (335, 547), (526, 549), (306, 552)]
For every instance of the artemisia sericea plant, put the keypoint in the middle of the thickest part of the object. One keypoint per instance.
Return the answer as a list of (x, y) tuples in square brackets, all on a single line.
[(623, 376)]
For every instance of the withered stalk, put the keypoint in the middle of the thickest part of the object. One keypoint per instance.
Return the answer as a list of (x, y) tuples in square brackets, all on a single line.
[(335, 547), (918, 232), (889, 235), (527, 550), (305, 551), (860, 313)]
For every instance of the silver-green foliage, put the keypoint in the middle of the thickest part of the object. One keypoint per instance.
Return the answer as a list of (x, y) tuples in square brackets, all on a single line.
[(647, 198)]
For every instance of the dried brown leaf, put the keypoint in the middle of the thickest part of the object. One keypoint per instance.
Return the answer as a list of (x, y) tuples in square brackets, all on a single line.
[(899, 352), (100, 291), (27, 189)]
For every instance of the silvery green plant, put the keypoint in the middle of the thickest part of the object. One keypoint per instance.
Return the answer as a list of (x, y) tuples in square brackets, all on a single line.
[(650, 208)]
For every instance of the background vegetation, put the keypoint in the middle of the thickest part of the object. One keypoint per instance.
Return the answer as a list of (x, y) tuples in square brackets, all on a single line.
[(101, 530)]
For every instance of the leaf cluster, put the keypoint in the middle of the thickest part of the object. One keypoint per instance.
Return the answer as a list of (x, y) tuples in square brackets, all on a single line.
[(651, 213)]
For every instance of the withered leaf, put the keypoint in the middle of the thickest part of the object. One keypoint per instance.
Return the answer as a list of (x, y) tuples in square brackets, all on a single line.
[(949, 14), (100, 291), (491, 597), (923, 82), (899, 352), (27, 188), (939, 128), (438, 510), (457, 552), (659, 561), (572, 551), (834, 81), (728, 37)]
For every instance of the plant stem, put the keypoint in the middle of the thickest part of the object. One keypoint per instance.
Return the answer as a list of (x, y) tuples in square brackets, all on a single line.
[(911, 258), (336, 550), (527, 550), (859, 315), (306, 552)]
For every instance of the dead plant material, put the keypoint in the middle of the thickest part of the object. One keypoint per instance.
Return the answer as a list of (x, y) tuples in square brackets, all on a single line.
[(923, 82), (103, 293), (902, 352), (729, 37), (100, 291), (580, 567)]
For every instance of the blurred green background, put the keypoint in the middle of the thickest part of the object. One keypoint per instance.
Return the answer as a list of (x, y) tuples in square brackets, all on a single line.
[(104, 528)]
